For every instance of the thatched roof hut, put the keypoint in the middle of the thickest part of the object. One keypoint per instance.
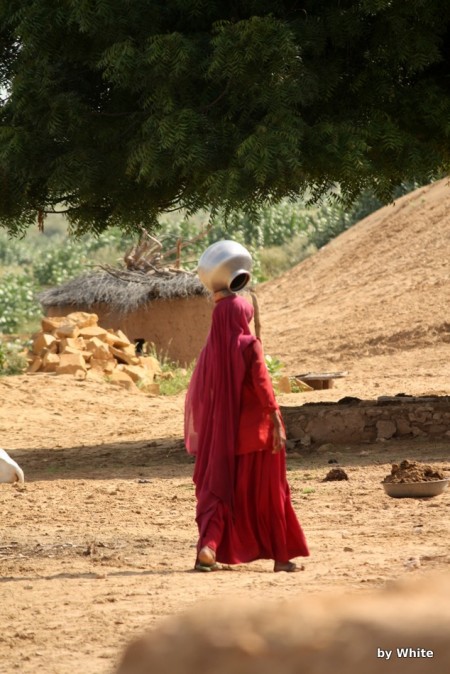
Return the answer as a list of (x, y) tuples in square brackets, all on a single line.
[(171, 310)]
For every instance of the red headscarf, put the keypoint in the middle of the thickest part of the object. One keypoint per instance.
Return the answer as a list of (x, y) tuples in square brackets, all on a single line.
[(214, 397)]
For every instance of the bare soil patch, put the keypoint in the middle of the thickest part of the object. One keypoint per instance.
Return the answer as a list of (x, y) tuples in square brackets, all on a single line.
[(100, 544)]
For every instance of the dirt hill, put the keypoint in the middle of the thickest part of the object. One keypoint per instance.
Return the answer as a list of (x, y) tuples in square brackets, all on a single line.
[(374, 301)]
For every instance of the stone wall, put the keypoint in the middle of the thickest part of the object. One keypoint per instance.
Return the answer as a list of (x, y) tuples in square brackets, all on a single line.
[(353, 421)]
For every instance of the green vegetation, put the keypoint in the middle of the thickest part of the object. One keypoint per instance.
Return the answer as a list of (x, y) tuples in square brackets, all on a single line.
[(174, 377), (116, 112), (12, 358), (274, 367), (37, 261), (18, 306), (279, 238)]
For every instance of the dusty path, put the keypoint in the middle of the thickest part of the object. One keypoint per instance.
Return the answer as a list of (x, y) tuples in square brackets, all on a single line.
[(100, 544)]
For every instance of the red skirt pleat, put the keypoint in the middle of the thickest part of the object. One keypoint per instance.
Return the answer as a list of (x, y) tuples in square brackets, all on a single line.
[(263, 524)]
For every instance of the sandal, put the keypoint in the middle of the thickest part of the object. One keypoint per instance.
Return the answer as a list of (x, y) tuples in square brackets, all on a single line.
[(206, 567), (288, 567)]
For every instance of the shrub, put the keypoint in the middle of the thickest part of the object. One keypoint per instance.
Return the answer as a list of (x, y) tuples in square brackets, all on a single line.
[(59, 264), (274, 367), (14, 251), (175, 378), (18, 305), (12, 358), (276, 260), (178, 380)]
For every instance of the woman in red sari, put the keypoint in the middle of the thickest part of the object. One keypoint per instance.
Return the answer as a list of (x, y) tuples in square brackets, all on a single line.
[(234, 428)]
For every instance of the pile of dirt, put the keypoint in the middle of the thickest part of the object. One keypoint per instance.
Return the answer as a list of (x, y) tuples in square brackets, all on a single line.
[(335, 475), (373, 302), (332, 634), (413, 471)]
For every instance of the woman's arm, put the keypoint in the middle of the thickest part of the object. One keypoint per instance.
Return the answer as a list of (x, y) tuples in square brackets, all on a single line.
[(279, 434), (261, 378), (264, 389)]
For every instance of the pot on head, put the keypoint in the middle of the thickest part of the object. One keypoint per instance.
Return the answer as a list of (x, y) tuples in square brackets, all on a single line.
[(225, 265)]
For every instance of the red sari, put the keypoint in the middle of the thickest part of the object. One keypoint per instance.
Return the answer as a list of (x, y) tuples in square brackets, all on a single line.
[(244, 511)]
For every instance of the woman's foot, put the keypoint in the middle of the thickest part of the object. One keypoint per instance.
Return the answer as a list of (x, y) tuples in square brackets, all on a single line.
[(288, 567), (206, 560), (206, 556)]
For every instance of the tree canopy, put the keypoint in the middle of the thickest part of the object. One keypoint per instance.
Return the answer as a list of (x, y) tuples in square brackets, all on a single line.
[(118, 110)]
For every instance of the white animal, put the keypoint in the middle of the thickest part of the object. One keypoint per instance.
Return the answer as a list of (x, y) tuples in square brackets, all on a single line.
[(10, 471)]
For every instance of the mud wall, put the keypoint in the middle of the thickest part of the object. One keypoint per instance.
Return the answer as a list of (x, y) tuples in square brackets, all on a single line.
[(177, 327), (354, 421)]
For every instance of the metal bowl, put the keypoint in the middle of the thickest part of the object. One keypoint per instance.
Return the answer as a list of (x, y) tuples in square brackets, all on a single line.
[(225, 265), (415, 489)]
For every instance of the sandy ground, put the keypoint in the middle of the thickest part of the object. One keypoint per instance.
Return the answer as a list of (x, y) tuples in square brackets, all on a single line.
[(374, 302), (100, 543)]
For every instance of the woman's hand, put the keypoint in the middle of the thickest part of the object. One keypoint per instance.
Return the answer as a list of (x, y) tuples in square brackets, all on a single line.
[(279, 435)]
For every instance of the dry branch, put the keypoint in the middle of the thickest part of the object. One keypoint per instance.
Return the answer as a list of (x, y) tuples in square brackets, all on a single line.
[(147, 255)]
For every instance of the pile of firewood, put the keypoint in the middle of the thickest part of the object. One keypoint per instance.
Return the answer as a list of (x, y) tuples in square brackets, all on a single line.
[(149, 256), (76, 345)]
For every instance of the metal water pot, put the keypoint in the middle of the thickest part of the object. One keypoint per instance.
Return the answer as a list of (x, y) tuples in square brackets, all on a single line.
[(225, 265)]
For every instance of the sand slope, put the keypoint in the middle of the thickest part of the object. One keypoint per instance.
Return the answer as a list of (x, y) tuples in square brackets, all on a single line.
[(374, 301)]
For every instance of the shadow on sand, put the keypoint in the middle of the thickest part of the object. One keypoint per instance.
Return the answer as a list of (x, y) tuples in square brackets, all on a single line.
[(162, 458)]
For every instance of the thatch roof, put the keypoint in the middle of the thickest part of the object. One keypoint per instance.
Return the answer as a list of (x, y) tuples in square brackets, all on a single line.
[(123, 291)]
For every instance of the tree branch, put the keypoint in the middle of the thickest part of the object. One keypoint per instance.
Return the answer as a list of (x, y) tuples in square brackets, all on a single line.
[(102, 113), (216, 100), (53, 212)]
